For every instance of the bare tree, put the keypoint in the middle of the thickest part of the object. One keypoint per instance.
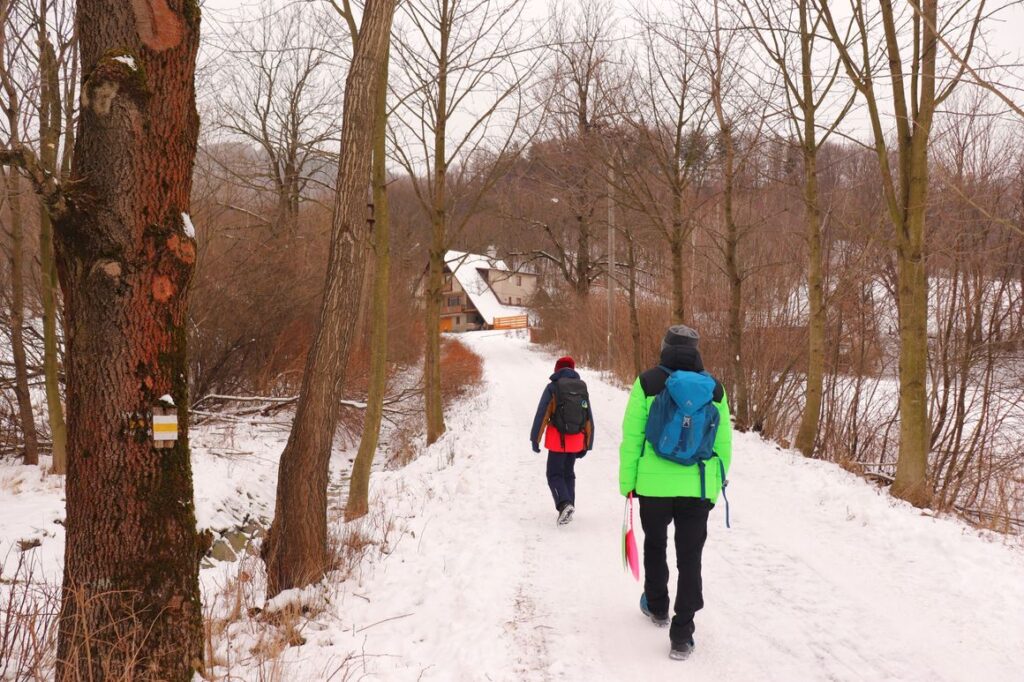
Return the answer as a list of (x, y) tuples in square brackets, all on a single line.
[(276, 92), (579, 99), (359, 484), (12, 46), (296, 548), (916, 94), (57, 60), (789, 38), (460, 100), (736, 117), (670, 117)]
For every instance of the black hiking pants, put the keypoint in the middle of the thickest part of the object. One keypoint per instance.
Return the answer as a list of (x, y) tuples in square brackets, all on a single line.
[(690, 516), (562, 478)]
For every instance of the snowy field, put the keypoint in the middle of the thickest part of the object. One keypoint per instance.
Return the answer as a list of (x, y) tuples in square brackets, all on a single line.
[(465, 576)]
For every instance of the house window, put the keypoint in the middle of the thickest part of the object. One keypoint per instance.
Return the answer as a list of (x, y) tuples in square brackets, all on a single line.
[(519, 301), (454, 301), (458, 320), (519, 280), (510, 300)]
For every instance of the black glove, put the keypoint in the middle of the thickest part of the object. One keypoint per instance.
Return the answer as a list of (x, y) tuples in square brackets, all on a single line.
[(581, 455), (536, 448)]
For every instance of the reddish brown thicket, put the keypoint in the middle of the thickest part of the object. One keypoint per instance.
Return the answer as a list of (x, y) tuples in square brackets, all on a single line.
[(462, 368)]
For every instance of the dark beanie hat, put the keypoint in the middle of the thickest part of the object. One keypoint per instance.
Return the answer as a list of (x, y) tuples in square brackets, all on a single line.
[(562, 363), (680, 335)]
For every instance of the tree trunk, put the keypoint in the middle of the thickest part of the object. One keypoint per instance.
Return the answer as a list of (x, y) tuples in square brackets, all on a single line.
[(677, 240), (21, 391), (359, 485), (911, 481), (296, 548), (438, 223), (12, 186), (131, 604), (732, 270), (634, 315), (49, 138), (807, 434), (583, 259), (675, 247), (432, 357)]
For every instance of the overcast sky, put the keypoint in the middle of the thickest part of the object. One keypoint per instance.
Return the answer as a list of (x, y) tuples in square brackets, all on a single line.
[(1002, 35)]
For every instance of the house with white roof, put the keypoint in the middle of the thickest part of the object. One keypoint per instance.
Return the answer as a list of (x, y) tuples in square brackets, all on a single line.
[(482, 292)]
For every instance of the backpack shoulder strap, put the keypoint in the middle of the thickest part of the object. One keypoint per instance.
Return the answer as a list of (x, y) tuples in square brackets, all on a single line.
[(665, 369)]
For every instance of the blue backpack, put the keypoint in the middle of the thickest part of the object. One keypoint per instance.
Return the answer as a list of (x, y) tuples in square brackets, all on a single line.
[(682, 423)]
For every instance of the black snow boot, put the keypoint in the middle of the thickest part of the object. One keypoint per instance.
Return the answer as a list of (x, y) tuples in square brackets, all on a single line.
[(681, 650), (661, 621)]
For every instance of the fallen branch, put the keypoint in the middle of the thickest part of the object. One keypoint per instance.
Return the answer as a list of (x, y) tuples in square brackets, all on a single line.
[(405, 615)]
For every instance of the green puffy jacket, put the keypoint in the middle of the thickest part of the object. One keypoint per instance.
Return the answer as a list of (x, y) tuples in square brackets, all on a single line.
[(643, 471)]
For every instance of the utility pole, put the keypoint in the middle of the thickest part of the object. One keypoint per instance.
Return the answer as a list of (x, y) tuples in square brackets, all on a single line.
[(611, 263)]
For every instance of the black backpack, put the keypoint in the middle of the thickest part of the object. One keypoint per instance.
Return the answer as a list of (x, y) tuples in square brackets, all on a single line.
[(572, 405)]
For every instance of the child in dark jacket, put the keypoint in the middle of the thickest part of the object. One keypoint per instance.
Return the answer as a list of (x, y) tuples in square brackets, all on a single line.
[(563, 448)]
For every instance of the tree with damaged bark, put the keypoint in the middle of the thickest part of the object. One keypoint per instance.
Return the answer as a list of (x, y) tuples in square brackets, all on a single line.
[(460, 61), (125, 253), (916, 94), (295, 551), (789, 38)]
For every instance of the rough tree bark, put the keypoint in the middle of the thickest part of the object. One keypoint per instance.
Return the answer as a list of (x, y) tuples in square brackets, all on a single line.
[(125, 254), (358, 503), (296, 548)]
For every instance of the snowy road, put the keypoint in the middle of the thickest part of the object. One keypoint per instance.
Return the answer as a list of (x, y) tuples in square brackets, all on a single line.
[(467, 577), (820, 578)]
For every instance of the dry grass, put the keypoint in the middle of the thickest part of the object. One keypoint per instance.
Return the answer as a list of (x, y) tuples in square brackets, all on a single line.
[(29, 609)]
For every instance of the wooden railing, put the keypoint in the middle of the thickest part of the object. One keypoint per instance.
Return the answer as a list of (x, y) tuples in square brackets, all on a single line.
[(512, 322)]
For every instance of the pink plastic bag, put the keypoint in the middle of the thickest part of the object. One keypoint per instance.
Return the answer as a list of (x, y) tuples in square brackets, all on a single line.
[(630, 555)]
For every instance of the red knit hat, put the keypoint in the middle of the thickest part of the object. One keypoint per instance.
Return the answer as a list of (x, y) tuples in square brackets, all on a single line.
[(562, 363)]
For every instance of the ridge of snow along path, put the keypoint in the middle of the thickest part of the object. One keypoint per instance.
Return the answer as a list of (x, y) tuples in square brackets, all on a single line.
[(822, 576)]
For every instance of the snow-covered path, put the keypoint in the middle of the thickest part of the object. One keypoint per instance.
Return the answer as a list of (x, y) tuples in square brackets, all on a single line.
[(467, 577), (820, 578)]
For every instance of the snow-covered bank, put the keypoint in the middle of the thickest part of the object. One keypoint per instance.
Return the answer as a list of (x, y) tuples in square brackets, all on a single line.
[(463, 575)]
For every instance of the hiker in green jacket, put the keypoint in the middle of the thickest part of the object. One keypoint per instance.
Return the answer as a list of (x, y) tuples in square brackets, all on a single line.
[(678, 487)]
